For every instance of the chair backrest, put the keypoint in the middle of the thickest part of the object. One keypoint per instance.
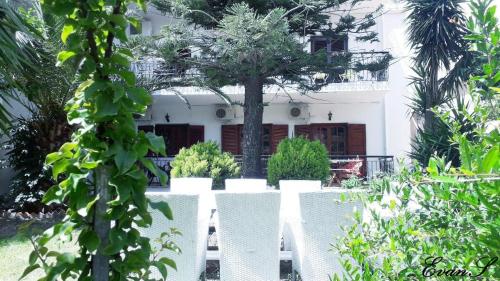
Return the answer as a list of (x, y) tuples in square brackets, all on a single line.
[(248, 235), (191, 217), (316, 224), (190, 185), (246, 185), (289, 190)]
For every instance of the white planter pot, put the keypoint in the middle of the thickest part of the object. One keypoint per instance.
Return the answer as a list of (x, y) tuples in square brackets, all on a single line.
[(246, 185)]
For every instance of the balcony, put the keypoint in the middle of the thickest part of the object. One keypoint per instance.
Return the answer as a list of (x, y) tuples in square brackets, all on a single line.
[(354, 67)]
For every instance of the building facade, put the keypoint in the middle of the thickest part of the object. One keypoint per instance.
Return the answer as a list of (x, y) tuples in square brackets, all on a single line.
[(357, 113)]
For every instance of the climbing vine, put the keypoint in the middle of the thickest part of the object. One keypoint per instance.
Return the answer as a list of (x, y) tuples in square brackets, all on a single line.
[(100, 172)]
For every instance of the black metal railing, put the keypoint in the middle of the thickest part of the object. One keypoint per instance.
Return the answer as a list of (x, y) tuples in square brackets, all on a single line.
[(349, 67), (341, 166), (356, 67)]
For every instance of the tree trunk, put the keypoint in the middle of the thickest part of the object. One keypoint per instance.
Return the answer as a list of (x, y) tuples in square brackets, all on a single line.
[(432, 99), (252, 127), (100, 262)]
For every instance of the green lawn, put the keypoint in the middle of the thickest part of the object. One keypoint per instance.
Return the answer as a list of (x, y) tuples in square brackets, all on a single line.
[(14, 253)]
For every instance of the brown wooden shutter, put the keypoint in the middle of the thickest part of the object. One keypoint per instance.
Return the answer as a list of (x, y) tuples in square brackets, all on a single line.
[(196, 134), (175, 136), (278, 133), (230, 138), (303, 130), (146, 128), (356, 139)]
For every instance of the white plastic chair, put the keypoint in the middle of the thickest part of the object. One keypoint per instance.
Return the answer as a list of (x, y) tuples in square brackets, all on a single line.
[(191, 217), (246, 185), (202, 186), (289, 190), (248, 234), (315, 225)]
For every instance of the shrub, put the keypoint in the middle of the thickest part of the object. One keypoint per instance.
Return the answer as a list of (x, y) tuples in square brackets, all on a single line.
[(205, 160), (351, 182), (30, 141), (299, 159)]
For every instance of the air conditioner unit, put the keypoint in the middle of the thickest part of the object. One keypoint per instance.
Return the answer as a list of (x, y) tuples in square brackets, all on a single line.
[(298, 111), (146, 116), (224, 112)]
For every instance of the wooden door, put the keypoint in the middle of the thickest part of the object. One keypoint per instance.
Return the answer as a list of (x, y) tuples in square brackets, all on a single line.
[(272, 134), (196, 134), (333, 136), (176, 136)]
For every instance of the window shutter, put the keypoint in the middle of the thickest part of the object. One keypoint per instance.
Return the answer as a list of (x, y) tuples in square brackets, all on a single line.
[(230, 138), (278, 133), (196, 134), (175, 136), (303, 130), (146, 128), (356, 139)]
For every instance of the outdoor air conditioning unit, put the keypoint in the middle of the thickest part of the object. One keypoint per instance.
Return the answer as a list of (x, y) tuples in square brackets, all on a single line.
[(224, 112), (146, 116), (298, 111)]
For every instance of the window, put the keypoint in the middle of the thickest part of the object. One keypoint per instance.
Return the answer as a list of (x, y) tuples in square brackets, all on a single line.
[(336, 43)]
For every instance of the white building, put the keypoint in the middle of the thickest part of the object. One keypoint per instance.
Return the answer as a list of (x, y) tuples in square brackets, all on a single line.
[(358, 113)]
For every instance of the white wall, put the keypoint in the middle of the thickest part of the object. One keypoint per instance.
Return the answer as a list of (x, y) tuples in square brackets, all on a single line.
[(357, 112), (5, 174), (398, 132)]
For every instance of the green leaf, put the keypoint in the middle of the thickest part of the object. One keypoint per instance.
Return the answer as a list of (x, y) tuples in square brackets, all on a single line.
[(89, 239), (163, 208), (162, 268), (104, 106), (124, 160), (119, 20), (28, 270), (67, 258), (52, 157), (128, 76), (140, 96), (121, 60), (168, 262), (60, 167), (490, 160), (33, 257), (156, 143), (64, 56), (66, 32)]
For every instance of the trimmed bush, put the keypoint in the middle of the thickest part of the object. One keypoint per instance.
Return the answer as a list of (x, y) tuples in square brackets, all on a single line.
[(299, 159), (205, 160)]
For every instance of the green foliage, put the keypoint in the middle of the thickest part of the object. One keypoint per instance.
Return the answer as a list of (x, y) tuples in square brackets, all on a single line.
[(352, 182), (29, 143), (106, 154), (444, 210), (299, 159), (17, 55), (205, 160)]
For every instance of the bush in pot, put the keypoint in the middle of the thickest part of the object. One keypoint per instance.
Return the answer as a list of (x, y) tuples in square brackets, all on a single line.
[(299, 159), (205, 160)]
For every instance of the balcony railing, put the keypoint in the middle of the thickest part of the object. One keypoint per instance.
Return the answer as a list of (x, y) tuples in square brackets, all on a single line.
[(341, 166), (352, 67)]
